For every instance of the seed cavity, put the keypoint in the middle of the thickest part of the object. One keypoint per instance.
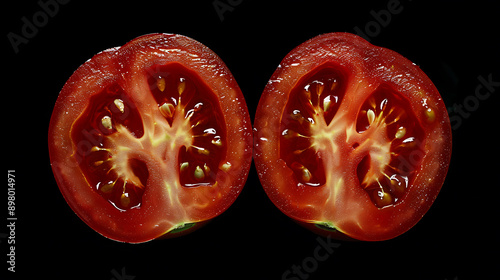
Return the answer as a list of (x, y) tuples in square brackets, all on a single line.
[(119, 104), (106, 122), (193, 125)]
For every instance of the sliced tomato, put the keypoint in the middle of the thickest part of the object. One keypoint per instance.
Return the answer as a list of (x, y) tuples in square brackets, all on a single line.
[(351, 139), (150, 139)]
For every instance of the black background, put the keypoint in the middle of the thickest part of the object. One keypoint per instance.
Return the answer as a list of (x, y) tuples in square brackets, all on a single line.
[(454, 42)]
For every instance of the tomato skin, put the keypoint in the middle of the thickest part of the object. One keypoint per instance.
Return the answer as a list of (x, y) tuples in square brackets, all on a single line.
[(341, 203), (164, 210)]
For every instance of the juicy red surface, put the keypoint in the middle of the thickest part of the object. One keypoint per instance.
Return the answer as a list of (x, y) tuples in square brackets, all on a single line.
[(90, 137), (366, 157), (396, 113), (135, 168), (299, 115), (205, 116)]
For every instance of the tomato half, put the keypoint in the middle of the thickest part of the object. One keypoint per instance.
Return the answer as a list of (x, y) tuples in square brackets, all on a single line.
[(150, 139), (351, 139)]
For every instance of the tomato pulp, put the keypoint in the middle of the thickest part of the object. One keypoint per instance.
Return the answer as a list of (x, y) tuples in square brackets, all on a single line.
[(351, 139), (150, 139)]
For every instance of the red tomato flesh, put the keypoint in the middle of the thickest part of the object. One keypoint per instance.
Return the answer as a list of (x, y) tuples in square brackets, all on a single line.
[(360, 134), (150, 139)]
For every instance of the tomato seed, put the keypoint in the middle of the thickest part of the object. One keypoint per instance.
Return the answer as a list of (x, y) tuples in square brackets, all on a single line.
[(398, 184), (106, 122), (184, 166), (382, 198), (225, 167), (334, 84), (108, 187), (400, 133), (201, 151), (160, 84), (430, 115), (326, 103), (167, 110), (217, 142), (198, 173), (306, 175), (182, 86), (370, 115), (206, 168), (119, 104), (125, 200)]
